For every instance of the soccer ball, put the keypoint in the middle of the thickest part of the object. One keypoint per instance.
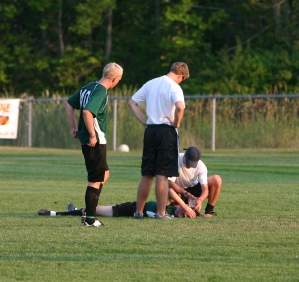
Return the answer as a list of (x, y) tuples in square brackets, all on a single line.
[(123, 148)]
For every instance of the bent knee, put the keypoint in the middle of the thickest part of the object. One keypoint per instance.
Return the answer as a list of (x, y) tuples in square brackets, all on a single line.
[(215, 179)]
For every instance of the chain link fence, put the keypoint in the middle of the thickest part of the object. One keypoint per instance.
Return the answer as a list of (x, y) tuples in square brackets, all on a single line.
[(210, 122)]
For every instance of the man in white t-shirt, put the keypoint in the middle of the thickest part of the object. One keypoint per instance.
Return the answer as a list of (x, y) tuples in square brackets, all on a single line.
[(193, 179), (165, 106)]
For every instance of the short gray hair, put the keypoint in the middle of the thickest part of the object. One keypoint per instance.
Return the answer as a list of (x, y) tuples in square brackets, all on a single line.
[(112, 70)]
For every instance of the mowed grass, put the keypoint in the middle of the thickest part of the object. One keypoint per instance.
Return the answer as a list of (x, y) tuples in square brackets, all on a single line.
[(255, 236)]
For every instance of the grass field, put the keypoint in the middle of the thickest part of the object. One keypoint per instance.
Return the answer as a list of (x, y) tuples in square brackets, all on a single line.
[(255, 236)]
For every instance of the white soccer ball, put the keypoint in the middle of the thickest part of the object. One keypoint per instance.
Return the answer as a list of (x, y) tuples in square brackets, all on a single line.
[(123, 148)]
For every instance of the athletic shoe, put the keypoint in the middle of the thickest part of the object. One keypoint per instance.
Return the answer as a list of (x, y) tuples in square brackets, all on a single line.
[(70, 207), (166, 216), (138, 215), (43, 212), (95, 224)]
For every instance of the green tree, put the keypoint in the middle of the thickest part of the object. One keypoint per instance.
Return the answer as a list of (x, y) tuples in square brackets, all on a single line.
[(230, 46)]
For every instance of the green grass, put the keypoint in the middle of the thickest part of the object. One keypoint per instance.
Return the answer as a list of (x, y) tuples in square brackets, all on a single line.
[(253, 238)]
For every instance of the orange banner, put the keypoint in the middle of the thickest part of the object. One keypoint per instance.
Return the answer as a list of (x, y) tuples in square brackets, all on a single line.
[(9, 118)]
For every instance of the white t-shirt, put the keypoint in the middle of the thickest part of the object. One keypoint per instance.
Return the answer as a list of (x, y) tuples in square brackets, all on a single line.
[(189, 177), (160, 95)]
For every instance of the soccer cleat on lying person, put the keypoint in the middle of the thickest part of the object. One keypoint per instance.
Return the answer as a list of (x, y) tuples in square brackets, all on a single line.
[(43, 212), (97, 223), (46, 212), (70, 207)]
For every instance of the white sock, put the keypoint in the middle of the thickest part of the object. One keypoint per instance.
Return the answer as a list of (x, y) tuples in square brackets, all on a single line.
[(52, 213)]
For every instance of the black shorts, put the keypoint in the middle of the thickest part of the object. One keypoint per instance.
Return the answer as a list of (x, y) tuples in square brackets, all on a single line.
[(124, 209), (95, 162), (160, 151), (195, 190)]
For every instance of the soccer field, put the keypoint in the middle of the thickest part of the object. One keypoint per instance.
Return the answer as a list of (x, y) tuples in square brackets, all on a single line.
[(253, 238)]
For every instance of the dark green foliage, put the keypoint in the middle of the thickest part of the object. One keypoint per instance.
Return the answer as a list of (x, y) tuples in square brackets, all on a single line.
[(230, 46)]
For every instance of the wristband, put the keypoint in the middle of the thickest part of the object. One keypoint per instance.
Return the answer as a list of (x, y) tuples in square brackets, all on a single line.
[(92, 137)]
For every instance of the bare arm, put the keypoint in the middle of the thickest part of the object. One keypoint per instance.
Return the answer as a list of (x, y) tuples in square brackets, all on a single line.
[(136, 111), (70, 112), (181, 191), (174, 196), (176, 188), (204, 192), (178, 114), (88, 119), (203, 196)]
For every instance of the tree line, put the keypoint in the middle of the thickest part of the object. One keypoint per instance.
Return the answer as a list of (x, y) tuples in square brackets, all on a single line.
[(230, 46)]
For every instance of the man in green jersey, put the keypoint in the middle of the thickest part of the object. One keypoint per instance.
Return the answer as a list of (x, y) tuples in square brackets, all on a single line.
[(92, 100)]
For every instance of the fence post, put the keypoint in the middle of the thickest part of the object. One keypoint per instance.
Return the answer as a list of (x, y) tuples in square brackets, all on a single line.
[(213, 124), (29, 123), (114, 124)]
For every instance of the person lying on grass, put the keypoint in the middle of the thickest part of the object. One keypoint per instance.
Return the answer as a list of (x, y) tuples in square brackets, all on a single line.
[(175, 207)]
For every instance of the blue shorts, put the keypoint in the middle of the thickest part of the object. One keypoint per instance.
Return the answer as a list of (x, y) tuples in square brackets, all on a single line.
[(95, 162), (160, 151)]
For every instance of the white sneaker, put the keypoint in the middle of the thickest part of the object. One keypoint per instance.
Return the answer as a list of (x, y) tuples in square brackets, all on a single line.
[(166, 216), (97, 223)]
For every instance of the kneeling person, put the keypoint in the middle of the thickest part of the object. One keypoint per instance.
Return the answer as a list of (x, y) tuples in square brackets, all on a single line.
[(193, 179)]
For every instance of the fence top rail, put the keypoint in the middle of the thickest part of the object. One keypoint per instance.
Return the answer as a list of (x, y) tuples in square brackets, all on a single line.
[(244, 96), (253, 96)]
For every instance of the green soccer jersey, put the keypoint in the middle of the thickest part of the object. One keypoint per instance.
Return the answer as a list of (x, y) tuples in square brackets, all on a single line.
[(152, 206), (92, 97)]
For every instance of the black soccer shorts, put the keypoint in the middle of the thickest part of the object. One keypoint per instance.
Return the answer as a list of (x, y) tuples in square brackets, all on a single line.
[(95, 162)]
